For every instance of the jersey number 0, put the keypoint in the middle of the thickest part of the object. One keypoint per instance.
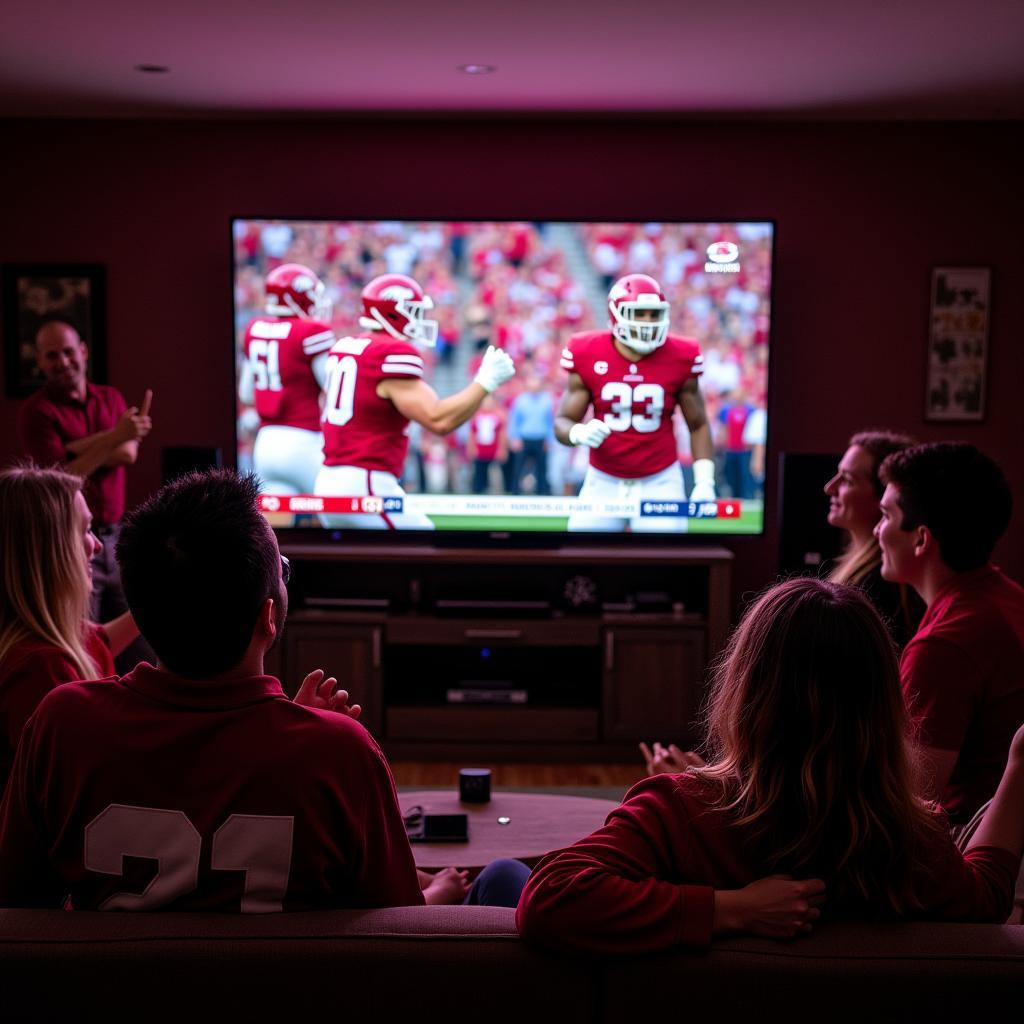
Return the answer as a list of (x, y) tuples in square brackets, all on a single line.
[(341, 390)]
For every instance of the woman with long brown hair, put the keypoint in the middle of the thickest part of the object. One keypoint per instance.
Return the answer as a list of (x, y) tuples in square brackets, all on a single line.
[(46, 544), (809, 774), (854, 493)]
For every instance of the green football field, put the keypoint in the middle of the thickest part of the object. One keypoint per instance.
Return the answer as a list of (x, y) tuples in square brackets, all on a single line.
[(750, 521)]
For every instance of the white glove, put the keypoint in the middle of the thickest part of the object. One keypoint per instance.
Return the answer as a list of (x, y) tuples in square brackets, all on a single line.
[(703, 480), (593, 433), (496, 368)]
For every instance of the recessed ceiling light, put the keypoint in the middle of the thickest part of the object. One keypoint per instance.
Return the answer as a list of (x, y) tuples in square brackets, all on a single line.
[(152, 69), (477, 69)]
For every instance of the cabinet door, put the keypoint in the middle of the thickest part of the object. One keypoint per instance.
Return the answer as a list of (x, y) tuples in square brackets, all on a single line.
[(351, 652), (653, 683)]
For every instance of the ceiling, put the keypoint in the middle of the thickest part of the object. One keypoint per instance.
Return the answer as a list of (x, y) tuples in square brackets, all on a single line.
[(719, 58)]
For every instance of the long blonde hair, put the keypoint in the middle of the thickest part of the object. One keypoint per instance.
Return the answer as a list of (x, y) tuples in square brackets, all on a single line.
[(45, 592), (810, 745)]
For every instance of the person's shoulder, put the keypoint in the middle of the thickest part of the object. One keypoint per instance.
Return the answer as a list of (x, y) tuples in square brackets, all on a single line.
[(668, 789), (586, 340), (679, 347), (72, 701)]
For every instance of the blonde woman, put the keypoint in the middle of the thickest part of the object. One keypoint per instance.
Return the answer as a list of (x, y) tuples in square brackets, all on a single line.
[(854, 493), (809, 791), (46, 544)]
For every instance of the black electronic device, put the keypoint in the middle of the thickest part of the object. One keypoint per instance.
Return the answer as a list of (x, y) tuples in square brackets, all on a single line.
[(437, 828)]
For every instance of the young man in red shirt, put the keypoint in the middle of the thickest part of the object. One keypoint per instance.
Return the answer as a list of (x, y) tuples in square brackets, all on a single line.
[(944, 508), (198, 785)]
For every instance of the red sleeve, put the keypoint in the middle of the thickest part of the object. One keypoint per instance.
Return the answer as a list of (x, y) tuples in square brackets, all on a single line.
[(974, 886), (607, 893), (29, 683), (939, 683), (385, 868), (39, 436)]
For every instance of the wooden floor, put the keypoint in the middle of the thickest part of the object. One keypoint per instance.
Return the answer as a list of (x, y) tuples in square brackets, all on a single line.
[(419, 773)]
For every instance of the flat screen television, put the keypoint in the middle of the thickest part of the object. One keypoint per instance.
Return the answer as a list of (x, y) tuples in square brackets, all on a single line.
[(332, 353)]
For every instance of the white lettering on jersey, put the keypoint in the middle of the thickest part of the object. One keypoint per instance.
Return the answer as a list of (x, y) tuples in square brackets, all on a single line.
[(339, 405), (266, 329), (259, 845), (265, 361), (622, 398)]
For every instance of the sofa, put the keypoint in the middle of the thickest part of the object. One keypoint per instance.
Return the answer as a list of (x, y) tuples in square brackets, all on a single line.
[(467, 963)]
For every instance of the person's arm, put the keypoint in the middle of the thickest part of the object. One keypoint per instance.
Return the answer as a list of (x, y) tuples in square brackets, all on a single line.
[(608, 893), (418, 401), (1003, 823), (120, 632), (939, 683), (569, 426), (114, 447), (691, 403), (247, 384)]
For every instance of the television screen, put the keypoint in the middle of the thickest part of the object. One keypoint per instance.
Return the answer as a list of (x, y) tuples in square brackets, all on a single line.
[(375, 387)]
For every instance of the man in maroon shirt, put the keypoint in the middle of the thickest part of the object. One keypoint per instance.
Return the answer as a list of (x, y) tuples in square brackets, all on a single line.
[(944, 508), (87, 429), (198, 785)]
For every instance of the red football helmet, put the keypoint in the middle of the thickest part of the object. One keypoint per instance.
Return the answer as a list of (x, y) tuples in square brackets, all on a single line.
[(294, 290), (397, 304), (628, 296)]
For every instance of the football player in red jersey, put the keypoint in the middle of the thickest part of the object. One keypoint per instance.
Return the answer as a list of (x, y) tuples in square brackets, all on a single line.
[(634, 376), (283, 374), (375, 386)]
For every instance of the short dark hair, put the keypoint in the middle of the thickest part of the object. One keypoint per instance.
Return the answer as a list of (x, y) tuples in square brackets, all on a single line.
[(880, 444), (197, 562), (960, 494)]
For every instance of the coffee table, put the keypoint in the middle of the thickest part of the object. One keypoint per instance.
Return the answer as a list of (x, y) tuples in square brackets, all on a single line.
[(537, 823)]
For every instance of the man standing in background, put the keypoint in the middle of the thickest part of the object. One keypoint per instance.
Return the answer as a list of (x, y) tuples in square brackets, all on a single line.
[(89, 430)]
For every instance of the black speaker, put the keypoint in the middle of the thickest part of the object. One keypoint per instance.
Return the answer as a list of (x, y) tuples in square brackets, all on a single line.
[(805, 538), (175, 462)]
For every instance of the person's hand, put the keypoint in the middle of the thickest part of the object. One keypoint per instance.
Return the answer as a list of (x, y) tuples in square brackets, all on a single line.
[(514, 444), (591, 434), (135, 422), (670, 759), (776, 907), (496, 368), (320, 691), (450, 885)]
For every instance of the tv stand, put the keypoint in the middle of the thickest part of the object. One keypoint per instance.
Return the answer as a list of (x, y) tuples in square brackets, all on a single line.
[(572, 653)]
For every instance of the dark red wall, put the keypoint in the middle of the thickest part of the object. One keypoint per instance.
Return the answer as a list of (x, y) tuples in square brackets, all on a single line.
[(863, 212)]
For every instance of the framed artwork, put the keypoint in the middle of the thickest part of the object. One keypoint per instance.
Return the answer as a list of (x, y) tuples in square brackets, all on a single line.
[(957, 344), (34, 294)]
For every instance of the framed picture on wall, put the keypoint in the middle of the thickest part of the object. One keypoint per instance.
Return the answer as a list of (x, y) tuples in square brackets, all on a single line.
[(34, 294), (957, 344)]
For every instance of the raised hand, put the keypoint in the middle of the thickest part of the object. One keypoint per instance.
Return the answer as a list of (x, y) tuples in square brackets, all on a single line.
[(776, 907), (496, 368), (592, 434), (670, 759), (320, 691)]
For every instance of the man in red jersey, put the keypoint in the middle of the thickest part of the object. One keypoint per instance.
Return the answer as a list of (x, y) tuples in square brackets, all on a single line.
[(375, 387), (198, 785), (943, 509), (284, 371), (88, 430), (634, 376)]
